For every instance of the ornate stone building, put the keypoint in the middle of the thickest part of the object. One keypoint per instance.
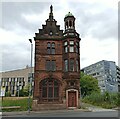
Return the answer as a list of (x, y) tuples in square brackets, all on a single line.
[(57, 65)]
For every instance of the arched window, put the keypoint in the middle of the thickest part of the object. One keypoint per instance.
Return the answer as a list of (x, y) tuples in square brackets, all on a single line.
[(53, 48), (67, 24), (48, 48), (49, 89), (65, 46), (70, 23)]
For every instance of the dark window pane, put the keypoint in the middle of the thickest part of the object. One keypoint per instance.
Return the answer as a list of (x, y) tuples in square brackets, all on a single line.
[(50, 83), (53, 51), (44, 92), (77, 49), (53, 65), (77, 43), (44, 82), (71, 65), (70, 23), (55, 83), (48, 45), (48, 65), (50, 92), (66, 65), (77, 65), (48, 50), (56, 91)]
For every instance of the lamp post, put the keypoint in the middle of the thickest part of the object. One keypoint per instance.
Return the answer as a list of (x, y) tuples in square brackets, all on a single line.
[(30, 81)]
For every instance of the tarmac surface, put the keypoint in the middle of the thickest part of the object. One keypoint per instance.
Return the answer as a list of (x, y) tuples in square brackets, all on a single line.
[(85, 108)]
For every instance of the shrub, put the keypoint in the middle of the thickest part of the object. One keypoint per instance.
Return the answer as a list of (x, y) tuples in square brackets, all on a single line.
[(106, 100), (7, 94)]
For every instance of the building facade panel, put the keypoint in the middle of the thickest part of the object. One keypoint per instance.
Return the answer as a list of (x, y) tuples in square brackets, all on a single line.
[(105, 72), (15, 80)]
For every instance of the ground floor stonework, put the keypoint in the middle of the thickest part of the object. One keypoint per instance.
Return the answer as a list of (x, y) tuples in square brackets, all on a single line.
[(72, 100)]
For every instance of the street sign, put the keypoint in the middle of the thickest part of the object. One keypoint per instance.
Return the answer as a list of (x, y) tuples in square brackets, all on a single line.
[(2, 93)]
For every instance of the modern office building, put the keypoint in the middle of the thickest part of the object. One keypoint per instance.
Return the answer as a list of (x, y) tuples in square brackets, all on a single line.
[(57, 65), (15, 80), (106, 74), (118, 77)]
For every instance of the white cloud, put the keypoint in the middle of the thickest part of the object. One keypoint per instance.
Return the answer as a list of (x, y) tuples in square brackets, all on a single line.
[(93, 50), (15, 50)]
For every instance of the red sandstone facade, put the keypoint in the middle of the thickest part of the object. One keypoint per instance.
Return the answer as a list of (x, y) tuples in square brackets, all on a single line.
[(57, 65)]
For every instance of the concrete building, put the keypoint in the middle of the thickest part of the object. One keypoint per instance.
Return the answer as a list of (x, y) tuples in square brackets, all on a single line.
[(106, 74), (57, 65), (15, 80)]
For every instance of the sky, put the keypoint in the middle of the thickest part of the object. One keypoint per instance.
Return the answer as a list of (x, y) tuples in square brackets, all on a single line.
[(96, 22)]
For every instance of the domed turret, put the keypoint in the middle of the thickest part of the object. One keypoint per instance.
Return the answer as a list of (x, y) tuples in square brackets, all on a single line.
[(69, 21), (69, 14)]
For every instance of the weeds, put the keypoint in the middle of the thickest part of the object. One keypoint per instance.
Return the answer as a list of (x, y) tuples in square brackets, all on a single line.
[(106, 100)]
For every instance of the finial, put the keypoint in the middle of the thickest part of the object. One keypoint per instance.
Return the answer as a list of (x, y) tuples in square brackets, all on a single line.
[(51, 9)]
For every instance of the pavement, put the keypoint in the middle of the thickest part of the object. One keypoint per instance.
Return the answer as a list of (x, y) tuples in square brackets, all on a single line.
[(93, 108), (85, 108)]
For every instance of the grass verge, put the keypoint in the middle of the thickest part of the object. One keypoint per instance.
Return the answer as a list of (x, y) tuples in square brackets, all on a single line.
[(15, 101)]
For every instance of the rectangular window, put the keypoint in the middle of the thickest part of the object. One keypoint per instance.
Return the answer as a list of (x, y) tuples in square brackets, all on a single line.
[(71, 64), (71, 42), (71, 48), (53, 51), (48, 65), (50, 92), (77, 43), (48, 50), (77, 66), (53, 65), (65, 43), (65, 65), (66, 49), (56, 92), (77, 49)]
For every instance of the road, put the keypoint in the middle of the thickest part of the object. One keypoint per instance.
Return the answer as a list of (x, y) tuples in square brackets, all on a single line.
[(71, 114)]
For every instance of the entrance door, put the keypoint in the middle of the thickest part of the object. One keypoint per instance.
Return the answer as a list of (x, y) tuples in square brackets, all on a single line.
[(72, 99)]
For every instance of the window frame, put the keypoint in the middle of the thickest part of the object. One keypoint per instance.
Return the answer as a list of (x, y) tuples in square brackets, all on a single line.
[(52, 94), (51, 48), (71, 65), (66, 65)]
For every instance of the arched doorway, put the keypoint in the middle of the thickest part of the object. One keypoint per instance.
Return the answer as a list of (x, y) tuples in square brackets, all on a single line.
[(49, 90)]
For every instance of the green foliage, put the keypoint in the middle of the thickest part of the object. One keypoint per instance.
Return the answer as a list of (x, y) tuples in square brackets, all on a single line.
[(22, 102), (88, 84), (24, 91), (106, 100), (7, 94)]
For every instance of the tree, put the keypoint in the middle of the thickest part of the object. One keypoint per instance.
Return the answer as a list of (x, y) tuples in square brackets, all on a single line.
[(88, 84), (23, 92)]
